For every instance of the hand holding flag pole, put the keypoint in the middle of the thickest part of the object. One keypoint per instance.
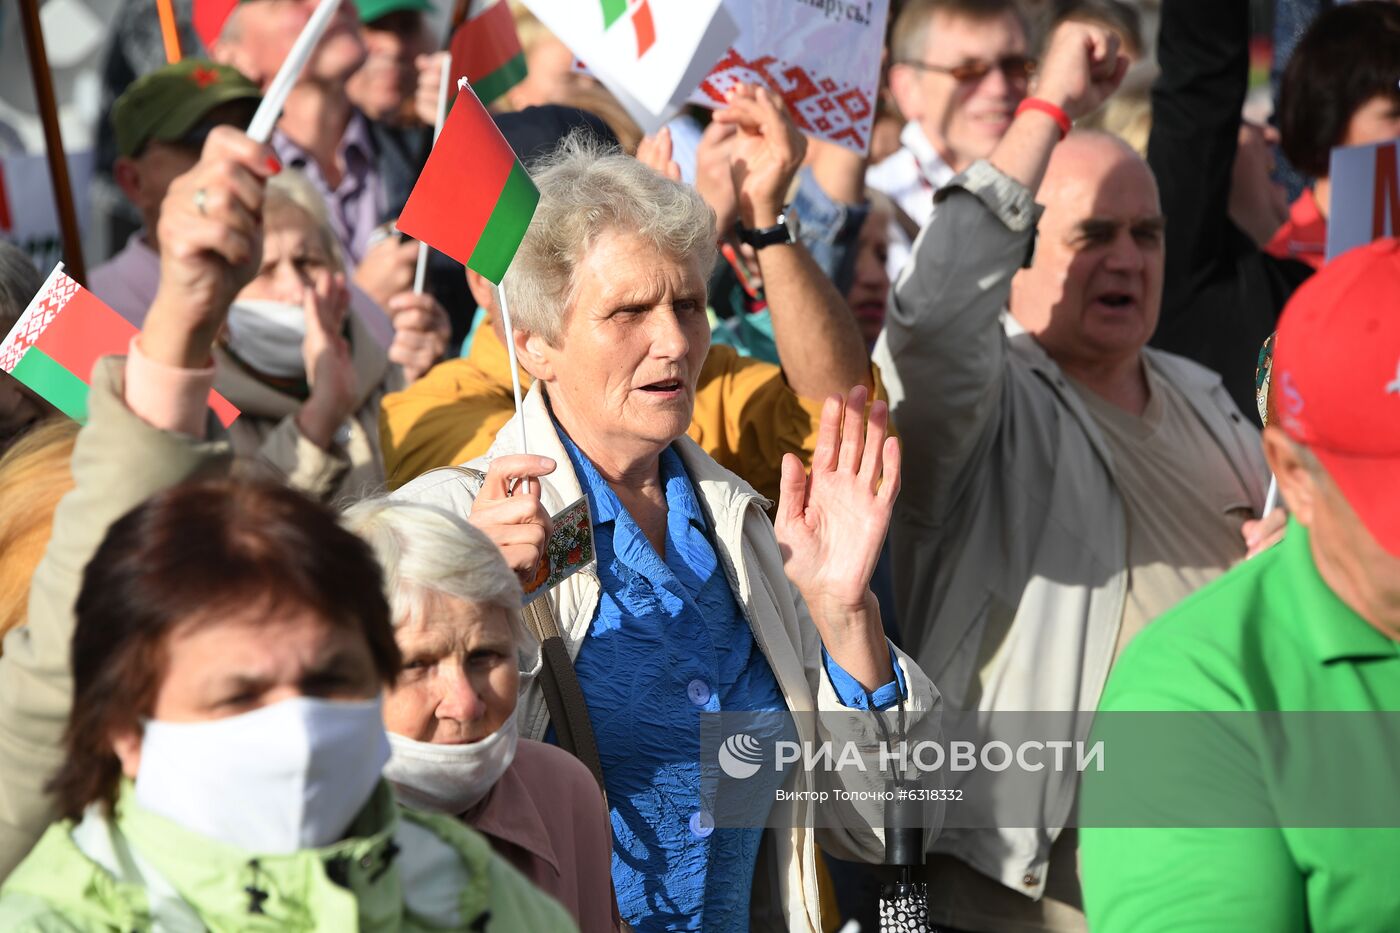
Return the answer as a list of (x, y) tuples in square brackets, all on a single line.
[(265, 119)]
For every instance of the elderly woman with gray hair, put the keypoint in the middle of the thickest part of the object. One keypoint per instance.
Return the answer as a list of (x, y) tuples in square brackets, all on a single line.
[(451, 715), (696, 603)]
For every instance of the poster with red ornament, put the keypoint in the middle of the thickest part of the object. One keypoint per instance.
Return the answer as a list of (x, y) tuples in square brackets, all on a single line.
[(822, 56)]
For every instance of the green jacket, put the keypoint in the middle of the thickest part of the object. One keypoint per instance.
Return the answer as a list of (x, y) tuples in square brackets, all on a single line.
[(1242, 804), (398, 871)]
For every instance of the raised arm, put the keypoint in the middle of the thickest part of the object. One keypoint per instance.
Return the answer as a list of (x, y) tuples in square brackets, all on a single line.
[(819, 345), (147, 422), (943, 336)]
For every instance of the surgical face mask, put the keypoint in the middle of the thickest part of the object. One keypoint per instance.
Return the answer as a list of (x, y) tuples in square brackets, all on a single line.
[(449, 779), (267, 335), (285, 777)]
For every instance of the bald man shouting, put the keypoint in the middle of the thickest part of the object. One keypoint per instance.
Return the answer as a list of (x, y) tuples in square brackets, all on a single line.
[(1065, 484)]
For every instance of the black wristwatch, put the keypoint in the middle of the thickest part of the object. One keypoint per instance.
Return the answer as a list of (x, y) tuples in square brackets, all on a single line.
[(784, 231)]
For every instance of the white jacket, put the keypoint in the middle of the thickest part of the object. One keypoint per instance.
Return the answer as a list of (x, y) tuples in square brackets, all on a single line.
[(785, 885)]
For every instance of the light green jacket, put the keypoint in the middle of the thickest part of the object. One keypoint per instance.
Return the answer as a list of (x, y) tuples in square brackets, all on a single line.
[(398, 870)]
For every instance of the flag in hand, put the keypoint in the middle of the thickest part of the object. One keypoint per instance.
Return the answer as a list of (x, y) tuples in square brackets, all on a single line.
[(473, 200), (487, 48), (54, 344)]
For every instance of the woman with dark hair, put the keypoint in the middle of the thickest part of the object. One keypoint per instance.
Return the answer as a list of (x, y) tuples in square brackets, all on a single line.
[(228, 647), (1340, 89)]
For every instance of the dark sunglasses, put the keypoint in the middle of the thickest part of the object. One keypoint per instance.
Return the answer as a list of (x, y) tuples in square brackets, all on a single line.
[(1015, 67)]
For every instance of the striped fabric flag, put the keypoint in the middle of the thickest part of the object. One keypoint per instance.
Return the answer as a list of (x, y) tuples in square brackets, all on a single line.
[(473, 200), (487, 48), (54, 344)]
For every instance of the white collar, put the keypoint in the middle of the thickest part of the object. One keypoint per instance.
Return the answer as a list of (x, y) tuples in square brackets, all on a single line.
[(931, 165)]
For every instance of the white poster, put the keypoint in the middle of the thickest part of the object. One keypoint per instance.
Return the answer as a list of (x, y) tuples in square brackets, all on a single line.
[(28, 215), (1365, 196), (651, 54), (822, 56)]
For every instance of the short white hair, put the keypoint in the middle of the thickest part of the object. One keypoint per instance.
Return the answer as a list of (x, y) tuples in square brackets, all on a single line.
[(426, 552), (588, 189), (290, 188)]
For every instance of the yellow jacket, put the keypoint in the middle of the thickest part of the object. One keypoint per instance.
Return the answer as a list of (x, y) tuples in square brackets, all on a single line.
[(745, 417)]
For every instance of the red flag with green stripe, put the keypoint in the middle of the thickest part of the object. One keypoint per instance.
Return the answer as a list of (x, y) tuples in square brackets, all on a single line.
[(55, 343), (473, 200), (487, 48)]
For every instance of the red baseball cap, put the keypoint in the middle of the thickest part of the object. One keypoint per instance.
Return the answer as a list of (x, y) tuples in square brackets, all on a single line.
[(1337, 372)]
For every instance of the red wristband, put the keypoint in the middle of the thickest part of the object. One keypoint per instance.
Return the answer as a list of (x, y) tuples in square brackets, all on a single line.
[(1044, 106)]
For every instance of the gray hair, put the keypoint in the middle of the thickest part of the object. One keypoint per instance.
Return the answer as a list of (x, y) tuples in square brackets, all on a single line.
[(426, 551), (290, 188), (20, 281), (588, 189)]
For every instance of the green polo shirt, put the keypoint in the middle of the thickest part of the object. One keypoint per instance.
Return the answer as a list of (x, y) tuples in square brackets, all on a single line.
[(1270, 635)]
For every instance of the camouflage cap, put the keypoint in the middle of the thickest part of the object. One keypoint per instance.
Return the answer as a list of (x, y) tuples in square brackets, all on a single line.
[(168, 103)]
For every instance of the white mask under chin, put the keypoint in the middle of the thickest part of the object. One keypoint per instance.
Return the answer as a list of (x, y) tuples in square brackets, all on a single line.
[(267, 335), (289, 776), (449, 779)]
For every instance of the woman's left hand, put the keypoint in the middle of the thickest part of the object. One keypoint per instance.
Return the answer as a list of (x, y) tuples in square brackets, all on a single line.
[(330, 369), (831, 527)]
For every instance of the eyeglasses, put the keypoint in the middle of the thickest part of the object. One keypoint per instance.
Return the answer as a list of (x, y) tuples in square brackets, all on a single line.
[(1015, 67)]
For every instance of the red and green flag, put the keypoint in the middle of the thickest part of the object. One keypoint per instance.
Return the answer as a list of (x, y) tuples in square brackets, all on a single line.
[(473, 200), (487, 49), (54, 344)]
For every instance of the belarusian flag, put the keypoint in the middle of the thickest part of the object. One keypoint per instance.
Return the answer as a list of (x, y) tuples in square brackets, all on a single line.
[(473, 200), (54, 344), (487, 48)]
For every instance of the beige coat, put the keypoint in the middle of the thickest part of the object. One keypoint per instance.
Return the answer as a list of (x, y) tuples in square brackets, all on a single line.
[(119, 461), (267, 431), (785, 885)]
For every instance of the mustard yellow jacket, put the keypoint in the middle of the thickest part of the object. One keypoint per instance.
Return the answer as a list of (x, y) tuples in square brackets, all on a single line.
[(745, 416)]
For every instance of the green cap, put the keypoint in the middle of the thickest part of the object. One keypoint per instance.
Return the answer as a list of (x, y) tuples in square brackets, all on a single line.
[(169, 102), (371, 10)]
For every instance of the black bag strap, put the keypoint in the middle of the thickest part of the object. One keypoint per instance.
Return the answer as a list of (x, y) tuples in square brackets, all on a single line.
[(562, 694)]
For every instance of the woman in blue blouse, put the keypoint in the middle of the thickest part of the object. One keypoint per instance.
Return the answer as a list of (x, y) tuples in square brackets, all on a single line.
[(696, 602)]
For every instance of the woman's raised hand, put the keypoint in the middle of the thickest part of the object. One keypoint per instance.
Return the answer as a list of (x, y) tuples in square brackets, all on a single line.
[(831, 526), (509, 511), (210, 235), (330, 369)]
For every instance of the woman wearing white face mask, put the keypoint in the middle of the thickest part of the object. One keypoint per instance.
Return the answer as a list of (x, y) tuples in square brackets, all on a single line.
[(223, 660), (306, 374), (454, 741)]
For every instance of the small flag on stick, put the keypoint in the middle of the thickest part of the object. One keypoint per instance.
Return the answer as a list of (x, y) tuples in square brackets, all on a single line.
[(487, 48), (473, 200), (54, 344)]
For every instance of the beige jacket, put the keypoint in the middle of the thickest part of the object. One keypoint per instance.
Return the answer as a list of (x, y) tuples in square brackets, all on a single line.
[(785, 885), (1010, 537), (267, 431), (119, 461)]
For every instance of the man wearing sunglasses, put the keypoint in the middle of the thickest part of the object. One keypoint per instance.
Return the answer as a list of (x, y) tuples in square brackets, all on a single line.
[(958, 70)]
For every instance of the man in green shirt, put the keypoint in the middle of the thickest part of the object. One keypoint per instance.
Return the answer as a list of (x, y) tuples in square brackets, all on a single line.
[(1311, 625)]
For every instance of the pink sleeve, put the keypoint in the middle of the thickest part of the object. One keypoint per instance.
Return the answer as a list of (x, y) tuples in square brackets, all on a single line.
[(165, 397)]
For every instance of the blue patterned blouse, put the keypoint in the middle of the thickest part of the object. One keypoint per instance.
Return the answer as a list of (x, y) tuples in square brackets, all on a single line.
[(669, 641)]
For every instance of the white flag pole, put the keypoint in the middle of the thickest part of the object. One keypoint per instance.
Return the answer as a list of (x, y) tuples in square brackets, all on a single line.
[(1271, 500), (421, 273), (265, 119), (514, 367)]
